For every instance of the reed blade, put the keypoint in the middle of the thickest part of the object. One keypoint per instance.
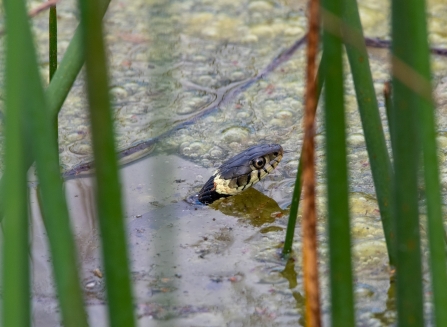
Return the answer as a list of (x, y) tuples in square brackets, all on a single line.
[(406, 102), (45, 150), (60, 85), (53, 40), (369, 113), (108, 194), (15, 268), (412, 92), (296, 195), (341, 288)]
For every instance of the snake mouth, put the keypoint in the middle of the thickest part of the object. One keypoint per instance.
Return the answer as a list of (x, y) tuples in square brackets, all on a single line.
[(241, 172)]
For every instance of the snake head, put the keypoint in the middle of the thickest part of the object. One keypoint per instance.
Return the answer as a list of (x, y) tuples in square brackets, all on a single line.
[(241, 171)]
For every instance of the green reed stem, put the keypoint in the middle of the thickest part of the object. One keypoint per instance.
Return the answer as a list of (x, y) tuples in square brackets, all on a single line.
[(60, 85), (54, 207), (45, 150), (426, 122), (53, 40), (407, 83), (53, 52), (108, 194), (436, 231), (387, 95), (69, 68), (290, 232), (16, 283), (16, 276), (342, 299), (369, 113), (296, 196)]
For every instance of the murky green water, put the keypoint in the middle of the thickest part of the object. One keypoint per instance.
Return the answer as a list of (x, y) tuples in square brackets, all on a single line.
[(170, 61)]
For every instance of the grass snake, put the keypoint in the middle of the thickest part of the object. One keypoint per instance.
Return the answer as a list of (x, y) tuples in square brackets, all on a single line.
[(240, 172)]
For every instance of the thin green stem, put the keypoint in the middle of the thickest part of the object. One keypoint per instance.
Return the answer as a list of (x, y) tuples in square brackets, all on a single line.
[(387, 95), (45, 150), (425, 115), (342, 298), (406, 103), (290, 232), (53, 41), (369, 113), (16, 276), (60, 85), (108, 195), (68, 69)]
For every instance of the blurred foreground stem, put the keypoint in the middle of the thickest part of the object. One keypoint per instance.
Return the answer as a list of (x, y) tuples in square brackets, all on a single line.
[(59, 87), (108, 194), (407, 84), (369, 113), (341, 288), (309, 221)]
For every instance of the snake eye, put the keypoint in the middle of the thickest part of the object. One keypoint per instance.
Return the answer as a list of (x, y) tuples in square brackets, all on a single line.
[(259, 162), (275, 154)]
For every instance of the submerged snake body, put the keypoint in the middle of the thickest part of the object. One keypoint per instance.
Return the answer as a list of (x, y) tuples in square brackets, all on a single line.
[(241, 172)]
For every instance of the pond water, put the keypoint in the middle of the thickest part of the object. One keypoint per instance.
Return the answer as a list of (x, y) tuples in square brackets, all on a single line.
[(186, 89), (198, 266)]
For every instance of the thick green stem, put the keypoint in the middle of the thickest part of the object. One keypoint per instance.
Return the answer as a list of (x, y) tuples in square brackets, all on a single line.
[(60, 85), (108, 195), (425, 116), (45, 150), (15, 260), (406, 61), (342, 298), (369, 113)]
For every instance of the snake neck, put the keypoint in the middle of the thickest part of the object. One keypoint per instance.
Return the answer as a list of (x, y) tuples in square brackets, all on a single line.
[(208, 193)]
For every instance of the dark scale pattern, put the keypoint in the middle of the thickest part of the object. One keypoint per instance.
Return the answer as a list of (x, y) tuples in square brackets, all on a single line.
[(240, 164), (237, 170), (208, 195)]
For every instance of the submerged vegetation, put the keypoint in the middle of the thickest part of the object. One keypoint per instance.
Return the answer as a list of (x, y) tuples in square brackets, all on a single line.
[(30, 132)]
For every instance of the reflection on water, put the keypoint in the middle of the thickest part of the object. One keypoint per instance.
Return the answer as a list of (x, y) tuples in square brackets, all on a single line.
[(290, 274), (388, 316), (252, 205)]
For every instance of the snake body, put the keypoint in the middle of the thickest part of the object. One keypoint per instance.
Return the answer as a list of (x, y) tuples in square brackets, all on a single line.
[(241, 172)]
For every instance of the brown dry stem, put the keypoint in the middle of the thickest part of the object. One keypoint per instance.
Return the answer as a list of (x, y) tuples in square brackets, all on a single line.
[(310, 260)]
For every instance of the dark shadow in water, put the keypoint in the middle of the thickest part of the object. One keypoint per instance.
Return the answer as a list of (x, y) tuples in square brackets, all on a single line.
[(253, 206), (290, 274), (388, 316)]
